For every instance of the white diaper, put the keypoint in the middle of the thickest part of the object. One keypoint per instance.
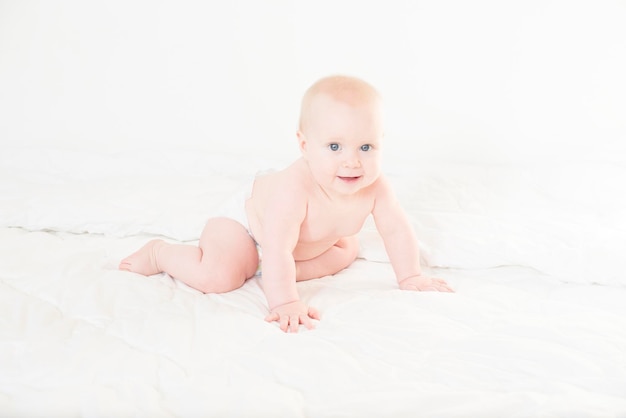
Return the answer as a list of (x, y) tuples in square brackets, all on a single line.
[(235, 209)]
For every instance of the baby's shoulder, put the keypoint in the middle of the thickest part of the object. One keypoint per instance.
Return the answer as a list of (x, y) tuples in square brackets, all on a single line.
[(382, 189), (295, 176), (381, 184), (288, 181)]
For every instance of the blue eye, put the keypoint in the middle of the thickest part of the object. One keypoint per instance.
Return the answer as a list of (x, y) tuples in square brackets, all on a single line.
[(366, 147), (334, 147)]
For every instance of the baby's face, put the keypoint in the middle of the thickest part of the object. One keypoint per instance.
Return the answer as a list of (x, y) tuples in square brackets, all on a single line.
[(342, 144)]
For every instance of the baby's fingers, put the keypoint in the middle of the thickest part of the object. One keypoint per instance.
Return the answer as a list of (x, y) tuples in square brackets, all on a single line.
[(447, 288), (294, 322), (273, 316), (306, 321), (442, 286), (283, 321), (289, 320), (417, 288), (313, 313)]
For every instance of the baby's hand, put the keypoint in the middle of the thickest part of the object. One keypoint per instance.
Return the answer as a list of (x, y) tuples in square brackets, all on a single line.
[(422, 283), (291, 315)]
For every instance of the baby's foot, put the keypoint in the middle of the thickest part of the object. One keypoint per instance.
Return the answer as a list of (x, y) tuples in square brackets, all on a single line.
[(144, 260)]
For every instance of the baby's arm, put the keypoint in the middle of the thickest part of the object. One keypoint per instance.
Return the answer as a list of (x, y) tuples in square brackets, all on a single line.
[(284, 215), (400, 242)]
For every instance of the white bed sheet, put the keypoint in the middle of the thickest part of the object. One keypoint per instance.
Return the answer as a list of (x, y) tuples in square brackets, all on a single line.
[(80, 338)]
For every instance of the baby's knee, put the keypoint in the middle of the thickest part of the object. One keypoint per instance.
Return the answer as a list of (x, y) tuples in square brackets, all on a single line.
[(219, 280)]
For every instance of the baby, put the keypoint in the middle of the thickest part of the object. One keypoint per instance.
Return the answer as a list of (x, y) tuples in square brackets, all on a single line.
[(306, 217)]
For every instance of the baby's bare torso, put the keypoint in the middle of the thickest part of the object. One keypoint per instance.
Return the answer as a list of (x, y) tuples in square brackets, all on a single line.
[(327, 218)]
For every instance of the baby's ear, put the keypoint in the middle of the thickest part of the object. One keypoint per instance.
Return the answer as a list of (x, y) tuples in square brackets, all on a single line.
[(301, 141)]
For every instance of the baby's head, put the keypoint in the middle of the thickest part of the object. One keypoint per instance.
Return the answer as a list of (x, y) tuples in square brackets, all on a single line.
[(340, 132), (351, 91)]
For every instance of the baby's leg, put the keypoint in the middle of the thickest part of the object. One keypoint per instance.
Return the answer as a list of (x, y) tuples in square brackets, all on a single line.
[(335, 259), (225, 258)]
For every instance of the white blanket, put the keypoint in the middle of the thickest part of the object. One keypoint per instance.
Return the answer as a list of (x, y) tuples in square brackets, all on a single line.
[(537, 326)]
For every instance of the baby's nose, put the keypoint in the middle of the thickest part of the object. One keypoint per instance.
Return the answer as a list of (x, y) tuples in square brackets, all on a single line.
[(352, 162)]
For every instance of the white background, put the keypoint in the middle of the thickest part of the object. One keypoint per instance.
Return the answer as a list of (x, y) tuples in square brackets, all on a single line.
[(494, 82), (124, 118)]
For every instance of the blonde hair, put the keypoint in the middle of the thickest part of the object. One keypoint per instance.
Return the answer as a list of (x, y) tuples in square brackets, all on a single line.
[(346, 89)]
